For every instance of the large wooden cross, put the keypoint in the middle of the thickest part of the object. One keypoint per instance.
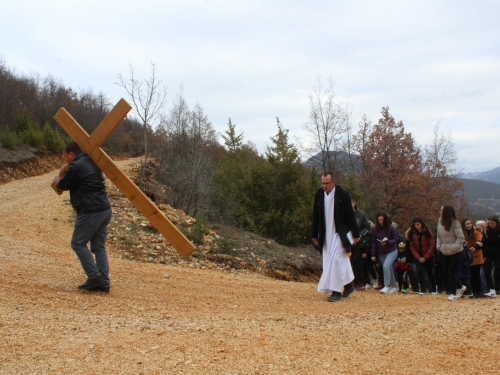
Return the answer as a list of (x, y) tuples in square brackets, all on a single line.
[(91, 145)]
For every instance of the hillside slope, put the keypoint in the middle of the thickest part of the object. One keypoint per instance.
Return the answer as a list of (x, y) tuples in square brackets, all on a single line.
[(483, 196), (160, 318)]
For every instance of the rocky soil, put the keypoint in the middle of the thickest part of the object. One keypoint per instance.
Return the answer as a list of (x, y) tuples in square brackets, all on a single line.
[(25, 162), (199, 316)]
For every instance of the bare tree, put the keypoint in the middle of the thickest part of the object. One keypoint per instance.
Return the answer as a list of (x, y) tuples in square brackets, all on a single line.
[(352, 160), (360, 142), (148, 98), (440, 155), (186, 146), (439, 158), (327, 126)]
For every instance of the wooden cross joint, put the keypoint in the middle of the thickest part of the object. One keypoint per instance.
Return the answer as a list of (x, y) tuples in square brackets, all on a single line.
[(91, 145)]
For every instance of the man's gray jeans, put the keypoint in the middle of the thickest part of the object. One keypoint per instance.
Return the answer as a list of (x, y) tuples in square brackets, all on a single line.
[(92, 227)]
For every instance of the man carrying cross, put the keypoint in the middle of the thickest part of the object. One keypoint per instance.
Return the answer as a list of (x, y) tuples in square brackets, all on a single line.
[(89, 199)]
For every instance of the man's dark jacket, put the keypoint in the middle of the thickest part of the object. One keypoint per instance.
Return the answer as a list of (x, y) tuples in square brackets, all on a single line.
[(364, 228), (345, 220), (86, 185)]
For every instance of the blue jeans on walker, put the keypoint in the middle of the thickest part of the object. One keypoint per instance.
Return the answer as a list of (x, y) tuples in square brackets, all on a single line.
[(92, 227), (387, 261)]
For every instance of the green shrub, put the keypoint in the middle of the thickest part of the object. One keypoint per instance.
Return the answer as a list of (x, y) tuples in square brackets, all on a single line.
[(52, 139), (23, 120), (9, 139), (198, 231), (225, 242), (32, 136)]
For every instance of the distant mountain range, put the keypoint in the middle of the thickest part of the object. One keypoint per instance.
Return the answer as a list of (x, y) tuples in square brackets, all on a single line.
[(483, 196), (340, 159), (493, 175), (482, 190)]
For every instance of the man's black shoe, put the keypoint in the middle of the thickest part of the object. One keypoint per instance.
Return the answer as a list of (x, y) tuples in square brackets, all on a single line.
[(347, 291), (334, 297), (103, 289), (91, 283)]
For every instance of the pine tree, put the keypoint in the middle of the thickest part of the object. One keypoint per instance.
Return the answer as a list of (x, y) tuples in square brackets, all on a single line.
[(233, 142)]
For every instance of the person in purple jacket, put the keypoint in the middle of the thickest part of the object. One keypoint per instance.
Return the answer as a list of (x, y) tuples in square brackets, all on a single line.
[(384, 245)]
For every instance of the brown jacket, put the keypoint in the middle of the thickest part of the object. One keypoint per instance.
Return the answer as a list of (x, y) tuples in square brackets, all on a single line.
[(478, 253), (428, 245)]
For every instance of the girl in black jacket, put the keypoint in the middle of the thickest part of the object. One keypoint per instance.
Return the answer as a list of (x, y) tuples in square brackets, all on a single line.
[(491, 253)]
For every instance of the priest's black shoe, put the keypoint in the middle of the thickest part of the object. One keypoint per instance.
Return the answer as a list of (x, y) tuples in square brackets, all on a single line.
[(334, 297), (91, 283), (348, 289)]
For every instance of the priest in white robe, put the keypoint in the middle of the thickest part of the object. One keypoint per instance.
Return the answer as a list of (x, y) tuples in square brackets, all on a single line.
[(334, 231)]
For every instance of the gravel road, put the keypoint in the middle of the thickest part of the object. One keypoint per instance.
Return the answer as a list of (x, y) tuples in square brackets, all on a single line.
[(161, 319)]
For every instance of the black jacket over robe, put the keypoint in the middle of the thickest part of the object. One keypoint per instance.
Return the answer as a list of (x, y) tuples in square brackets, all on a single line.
[(345, 220)]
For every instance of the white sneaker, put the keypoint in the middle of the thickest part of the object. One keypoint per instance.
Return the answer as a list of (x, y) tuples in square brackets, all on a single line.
[(491, 293), (375, 284), (384, 290), (452, 297), (367, 286), (461, 291), (393, 291)]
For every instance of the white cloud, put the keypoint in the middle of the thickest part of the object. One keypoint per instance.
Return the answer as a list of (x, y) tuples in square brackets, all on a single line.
[(428, 61)]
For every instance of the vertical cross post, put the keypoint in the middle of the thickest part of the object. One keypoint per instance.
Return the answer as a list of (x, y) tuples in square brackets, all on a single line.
[(91, 145)]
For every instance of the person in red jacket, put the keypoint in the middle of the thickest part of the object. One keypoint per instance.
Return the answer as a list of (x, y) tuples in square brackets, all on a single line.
[(423, 247)]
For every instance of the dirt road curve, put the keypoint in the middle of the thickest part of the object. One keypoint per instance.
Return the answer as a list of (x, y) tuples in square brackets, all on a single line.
[(160, 319)]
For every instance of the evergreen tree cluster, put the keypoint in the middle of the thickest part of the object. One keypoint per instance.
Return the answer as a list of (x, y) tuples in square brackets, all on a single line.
[(270, 194)]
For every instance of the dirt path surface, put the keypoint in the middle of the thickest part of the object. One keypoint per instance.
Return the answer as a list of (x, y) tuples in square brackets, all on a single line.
[(160, 319)]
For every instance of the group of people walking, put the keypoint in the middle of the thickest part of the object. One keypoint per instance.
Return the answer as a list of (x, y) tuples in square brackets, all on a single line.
[(456, 258)]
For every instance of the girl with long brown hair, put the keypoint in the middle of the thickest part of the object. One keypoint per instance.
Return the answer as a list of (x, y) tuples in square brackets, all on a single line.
[(473, 237), (422, 246)]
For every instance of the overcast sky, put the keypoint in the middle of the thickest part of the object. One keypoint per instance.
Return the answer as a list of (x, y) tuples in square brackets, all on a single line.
[(429, 61)]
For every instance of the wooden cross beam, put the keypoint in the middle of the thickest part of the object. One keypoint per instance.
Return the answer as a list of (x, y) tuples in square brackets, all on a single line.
[(91, 145)]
